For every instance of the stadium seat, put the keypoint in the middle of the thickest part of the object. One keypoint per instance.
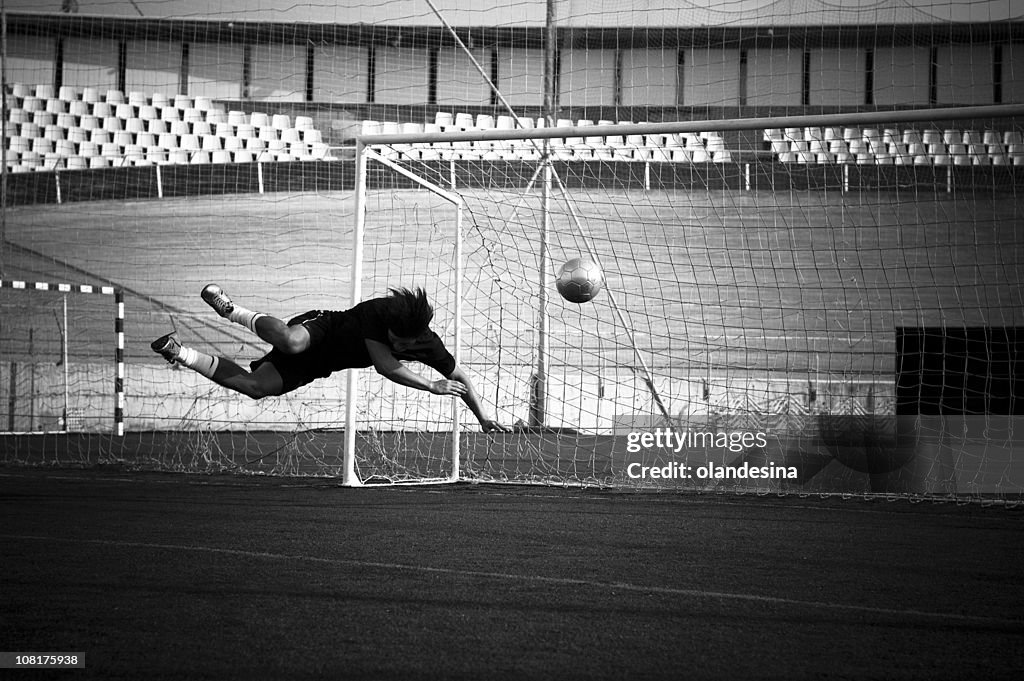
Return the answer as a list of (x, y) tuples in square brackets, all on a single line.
[(178, 128), (68, 93), (211, 143), (170, 113), (177, 156), (192, 115), (55, 106), (156, 127), (134, 155), (148, 112), (258, 119), (159, 100), (199, 157), (99, 136), (113, 97), (245, 130), (65, 148), (145, 139), (203, 103), (220, 156), (137, 99), (21, 90), (19, 144), (123, 138), (281, 121), (237, 118), (77, 135), (182, 101), (303, 123), (33, 104), (113, 124), (77, 163), (135, 125), (189, 143), (44, 118), (156, 155)]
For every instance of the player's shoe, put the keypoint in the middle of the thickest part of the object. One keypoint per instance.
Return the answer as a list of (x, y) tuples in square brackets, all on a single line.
[(167, 347), (216, 298)]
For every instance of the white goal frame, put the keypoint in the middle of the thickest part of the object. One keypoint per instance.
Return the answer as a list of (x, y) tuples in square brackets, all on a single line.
[(118, 384)]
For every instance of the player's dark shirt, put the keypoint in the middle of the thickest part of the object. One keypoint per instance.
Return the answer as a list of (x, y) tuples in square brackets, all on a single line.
[(338, 339)]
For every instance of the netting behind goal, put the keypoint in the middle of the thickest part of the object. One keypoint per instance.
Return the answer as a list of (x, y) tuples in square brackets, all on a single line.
[(757, 282), (60, 359)]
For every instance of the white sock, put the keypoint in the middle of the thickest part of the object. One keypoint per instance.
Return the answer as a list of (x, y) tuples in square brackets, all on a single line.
[(246, 318), (199, 362)]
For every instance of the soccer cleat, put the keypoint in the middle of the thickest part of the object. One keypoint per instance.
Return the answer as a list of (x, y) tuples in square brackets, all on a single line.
[(216, 298), (167, 346)]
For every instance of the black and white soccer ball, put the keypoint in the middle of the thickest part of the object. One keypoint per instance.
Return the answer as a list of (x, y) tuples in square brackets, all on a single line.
[(580, 280)]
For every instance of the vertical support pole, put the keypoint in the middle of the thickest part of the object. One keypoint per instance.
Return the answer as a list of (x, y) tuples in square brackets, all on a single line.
[(456, 410), (64, 360), (539, 398), (349, 476), (159, 182), (119, 364)]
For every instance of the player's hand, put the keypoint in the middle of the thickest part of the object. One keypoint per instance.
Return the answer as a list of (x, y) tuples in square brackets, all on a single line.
[(492, 426), (446, 387)]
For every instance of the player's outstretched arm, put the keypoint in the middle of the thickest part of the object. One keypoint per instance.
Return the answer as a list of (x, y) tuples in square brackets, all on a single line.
[(472, 400), (390, 368)]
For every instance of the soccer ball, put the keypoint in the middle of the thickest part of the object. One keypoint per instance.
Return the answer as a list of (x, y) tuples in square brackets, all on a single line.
[(579, 280)]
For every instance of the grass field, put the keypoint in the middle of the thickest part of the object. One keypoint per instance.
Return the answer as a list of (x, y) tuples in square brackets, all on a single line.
[(175, 577)]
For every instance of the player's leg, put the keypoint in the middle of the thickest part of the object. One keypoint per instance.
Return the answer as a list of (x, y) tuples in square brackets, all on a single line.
[(288, 339), (264, 381)]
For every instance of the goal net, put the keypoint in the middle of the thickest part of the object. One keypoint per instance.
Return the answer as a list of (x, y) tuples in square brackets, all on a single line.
[(762, 281), (61, 366)]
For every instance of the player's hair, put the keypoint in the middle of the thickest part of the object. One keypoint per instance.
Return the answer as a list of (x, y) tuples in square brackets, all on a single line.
[(409, 312)]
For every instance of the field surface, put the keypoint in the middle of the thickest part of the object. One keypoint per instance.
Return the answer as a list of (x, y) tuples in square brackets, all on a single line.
[(189, 577)]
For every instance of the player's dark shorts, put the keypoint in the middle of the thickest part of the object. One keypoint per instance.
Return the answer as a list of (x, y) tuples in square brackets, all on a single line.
[(305, 367)]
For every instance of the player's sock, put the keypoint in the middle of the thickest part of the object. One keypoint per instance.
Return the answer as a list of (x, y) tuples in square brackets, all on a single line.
[(246, 318), (199, 362)]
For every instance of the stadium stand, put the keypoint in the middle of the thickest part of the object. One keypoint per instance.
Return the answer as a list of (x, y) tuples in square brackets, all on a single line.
[(707, 147), (890, 146), (84, 128)]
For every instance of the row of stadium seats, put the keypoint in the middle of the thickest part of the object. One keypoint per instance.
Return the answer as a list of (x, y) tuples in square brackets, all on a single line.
[(702, 147), (86, 129), (869, 146)]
